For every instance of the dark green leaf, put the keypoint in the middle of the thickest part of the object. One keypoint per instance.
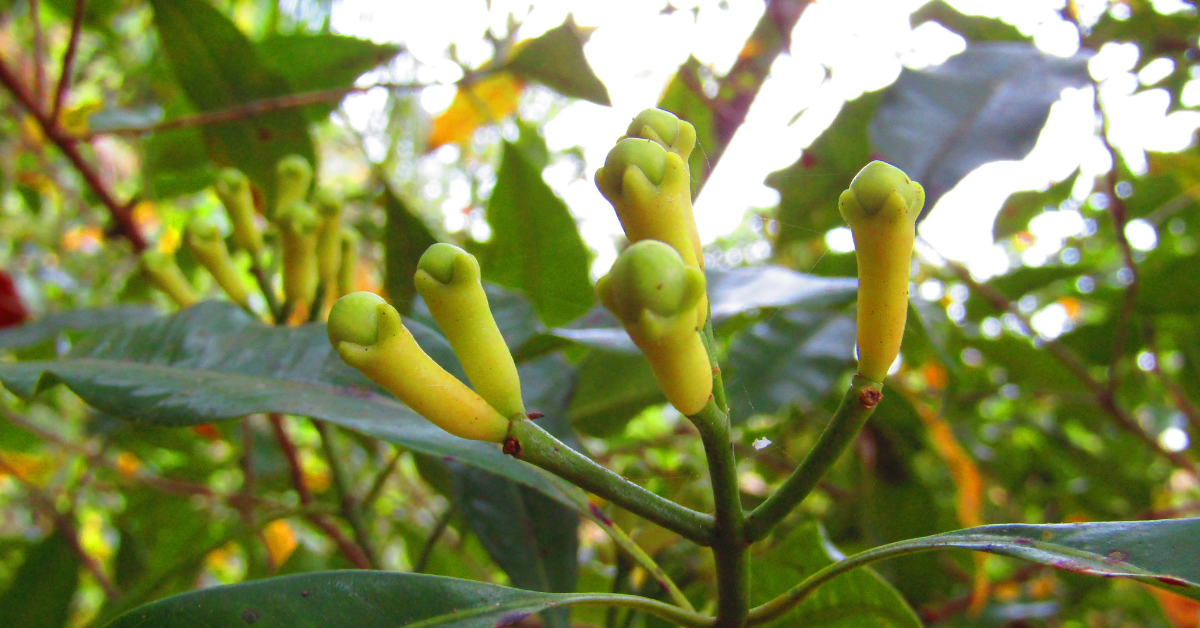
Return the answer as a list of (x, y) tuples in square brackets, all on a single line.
[(364, 599), (176, 161), (859, 598), (218, 68), (612, 388), (1031, 367), (1159, 553), (313, 62), (213, 361), (682, 99), (971, 27), (40, 594), (985, 104), (556, 60), (51, 325), (535, 245), (809, 188), (741, 290), (1018, 283), (405, 239), (1020, 207), (796, 356), (1171, 287)]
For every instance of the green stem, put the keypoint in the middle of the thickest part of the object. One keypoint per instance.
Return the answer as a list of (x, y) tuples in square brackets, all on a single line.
[(349, 507), (268, 291), (380, 482), (639, 555), (857, 405), (710, 345), (438, 530), (534, 445), (729, 546), (673, 614)]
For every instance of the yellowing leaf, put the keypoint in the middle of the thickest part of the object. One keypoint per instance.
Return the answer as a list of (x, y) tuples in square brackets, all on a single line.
[(489, 100), (1180, 611), (33, 468), (280, 540), (127, 464)]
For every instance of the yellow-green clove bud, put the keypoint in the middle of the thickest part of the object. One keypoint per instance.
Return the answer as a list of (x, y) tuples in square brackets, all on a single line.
[(204, 240), (293, 175), (665, 128), (881, 207), (161, 271), (329, 239), (448, 279), (655, 294), (348, 267), (233, 188), (298, 234), (370, 336)]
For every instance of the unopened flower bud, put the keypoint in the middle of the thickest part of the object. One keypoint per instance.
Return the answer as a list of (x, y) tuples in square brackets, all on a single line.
[(204, 240), (293, 175), (329, 239), (348, 264), (298, 235), (233, 188), (163, 273)]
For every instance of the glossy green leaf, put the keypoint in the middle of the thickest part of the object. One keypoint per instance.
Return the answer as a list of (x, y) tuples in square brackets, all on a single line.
[(749, 288), (405, 239), (535, 245), (364, 599), (681, 98), (218, 68), (794, 357), (855, 600), (213, 361), (809, 188), (988, 103), (41, 592), (318, 61), (52, 325), (556, 60)]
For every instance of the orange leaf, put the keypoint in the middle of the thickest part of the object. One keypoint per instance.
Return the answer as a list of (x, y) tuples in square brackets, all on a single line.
[(489, 100), (280, 540), (1181, 611)]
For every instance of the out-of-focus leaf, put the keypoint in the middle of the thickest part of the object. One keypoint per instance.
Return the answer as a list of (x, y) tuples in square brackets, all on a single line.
[(213, 361), (218, 68), (41, 592), (1018, 283), (985, 104), (365, 599), (681, 98), (175, 162), (796, 356), (740, 290), (535, 245), (611, 389), (809, 188), (972, 27), (556, 60), (51, 325), (311, 62), (927, 334), (859, 598), (485, 101), (405, 239), (1147, 551), (1171, 287), (1020, 207), (97, 14), (1032, 368)]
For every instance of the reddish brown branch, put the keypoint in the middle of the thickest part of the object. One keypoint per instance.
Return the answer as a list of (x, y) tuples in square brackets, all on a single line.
[(64, 77), (1104, 395), (121, 213), (349, 549), (39, 52), (248, 110)]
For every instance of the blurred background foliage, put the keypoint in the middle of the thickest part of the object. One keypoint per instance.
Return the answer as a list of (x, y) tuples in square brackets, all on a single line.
[(1059, 390)]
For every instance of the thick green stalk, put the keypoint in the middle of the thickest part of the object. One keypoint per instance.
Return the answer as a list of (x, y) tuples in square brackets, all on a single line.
[(729, 546), (534, 445), (857, 405)]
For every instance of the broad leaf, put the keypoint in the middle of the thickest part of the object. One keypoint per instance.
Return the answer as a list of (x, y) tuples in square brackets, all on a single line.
[(809, 188), (746, 289), (556, 60), (311, 62), (404, 241), (985, 104), (973, 28), (612, 388), (682, 98), (535, 245), (41, 592), (52, 325), (1019, 208), (213, 361), (1170, 287), (218, 68), (859, 598), (364, 599)]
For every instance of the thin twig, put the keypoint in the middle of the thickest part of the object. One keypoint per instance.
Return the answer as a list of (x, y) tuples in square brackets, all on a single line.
[(64, 77), (39, 53), (438, 530), (346, 501), (65, 522), (349, 549), (120, 212), (1178, 394), (250, 109), (1103, 395), (380, 482)]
